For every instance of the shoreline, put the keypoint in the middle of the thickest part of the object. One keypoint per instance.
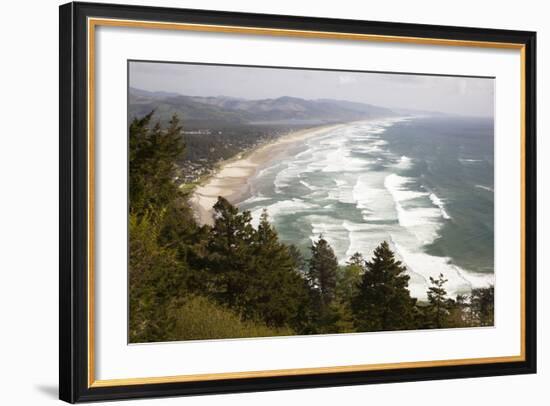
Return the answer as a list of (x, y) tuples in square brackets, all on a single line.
[(231, 179)]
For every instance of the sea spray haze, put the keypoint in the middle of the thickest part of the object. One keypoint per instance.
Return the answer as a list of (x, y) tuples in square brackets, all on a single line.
[(297, 201)]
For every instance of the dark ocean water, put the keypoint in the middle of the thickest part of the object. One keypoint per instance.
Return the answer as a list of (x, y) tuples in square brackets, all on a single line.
[(423, 184)]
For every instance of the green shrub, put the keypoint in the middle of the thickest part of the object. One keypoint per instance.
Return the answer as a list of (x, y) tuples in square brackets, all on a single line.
[(200, 319)]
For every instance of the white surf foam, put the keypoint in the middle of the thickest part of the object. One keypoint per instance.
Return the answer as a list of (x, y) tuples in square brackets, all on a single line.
[(397, 186), (342, 193), (340, 160), (427, 266), (363, 238), (255, 199), (487, 188), (404, 163), (309, 185), (439, 203), (284, 178), (333, 231), (267, 171), (424, 222), (372, 198), (281, 208)]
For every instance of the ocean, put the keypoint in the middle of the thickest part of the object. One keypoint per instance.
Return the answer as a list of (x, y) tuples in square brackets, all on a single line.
[(424, 184)]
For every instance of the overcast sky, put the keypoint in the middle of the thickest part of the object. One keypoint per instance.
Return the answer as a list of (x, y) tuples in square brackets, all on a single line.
[(456, 95)]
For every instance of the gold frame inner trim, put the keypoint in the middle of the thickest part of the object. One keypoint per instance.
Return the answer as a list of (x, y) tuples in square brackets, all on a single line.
[(94, 22), (300, 371)]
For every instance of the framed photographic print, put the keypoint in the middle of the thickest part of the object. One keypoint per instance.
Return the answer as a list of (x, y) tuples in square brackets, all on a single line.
[(257, 202)]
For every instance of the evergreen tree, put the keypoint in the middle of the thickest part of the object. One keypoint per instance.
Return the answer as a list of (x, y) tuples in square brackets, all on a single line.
[(253, 272), (439, 304), (157, 273), (357, 260), (338, 317), (266, 235), (323, 266), (279, 290), (229, 251), (383, 301), (157, 280), (348, 277), (298, 258), (153, 153), (180, 232), (482, 302), (458, 312)]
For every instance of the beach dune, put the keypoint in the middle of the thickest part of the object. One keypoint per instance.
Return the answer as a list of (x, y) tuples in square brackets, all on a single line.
[(231, 179)]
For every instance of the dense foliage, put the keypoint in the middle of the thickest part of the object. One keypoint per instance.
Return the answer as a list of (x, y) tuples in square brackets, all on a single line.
[(234, 280), (383, 301)]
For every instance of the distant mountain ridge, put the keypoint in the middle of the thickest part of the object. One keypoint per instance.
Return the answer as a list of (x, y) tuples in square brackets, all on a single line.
[(222, 110)]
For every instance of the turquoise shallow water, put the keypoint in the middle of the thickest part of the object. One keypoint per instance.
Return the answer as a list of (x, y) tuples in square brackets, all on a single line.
[(423, 184)]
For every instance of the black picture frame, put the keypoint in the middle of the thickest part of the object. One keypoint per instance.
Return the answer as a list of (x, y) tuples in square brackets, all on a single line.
[(74, 385)]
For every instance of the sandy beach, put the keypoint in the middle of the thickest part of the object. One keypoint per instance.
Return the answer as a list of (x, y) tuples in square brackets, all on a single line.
[(231, 179)]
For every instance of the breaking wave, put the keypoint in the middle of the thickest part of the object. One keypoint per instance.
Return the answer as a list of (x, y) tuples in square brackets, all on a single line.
[(348, 186)]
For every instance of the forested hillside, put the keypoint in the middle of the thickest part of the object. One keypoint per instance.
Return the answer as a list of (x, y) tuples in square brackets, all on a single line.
[(221, 111)]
